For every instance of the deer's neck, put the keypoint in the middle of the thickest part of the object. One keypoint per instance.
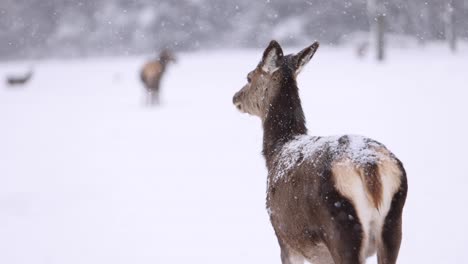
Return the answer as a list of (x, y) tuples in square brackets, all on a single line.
[(163, 65), (284, 120)]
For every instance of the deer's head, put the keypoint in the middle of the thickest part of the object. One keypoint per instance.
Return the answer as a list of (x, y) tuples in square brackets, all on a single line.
[(167, 56), (264, 82)]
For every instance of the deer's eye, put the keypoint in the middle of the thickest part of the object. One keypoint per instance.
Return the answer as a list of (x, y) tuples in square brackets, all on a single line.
[(249, 79)]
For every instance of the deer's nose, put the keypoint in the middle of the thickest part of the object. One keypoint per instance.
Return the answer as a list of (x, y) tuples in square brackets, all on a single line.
[(236, 100)]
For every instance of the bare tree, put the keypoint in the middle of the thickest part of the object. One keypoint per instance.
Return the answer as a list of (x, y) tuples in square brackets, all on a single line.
[(376, 11), (450, 29), (39, 28)]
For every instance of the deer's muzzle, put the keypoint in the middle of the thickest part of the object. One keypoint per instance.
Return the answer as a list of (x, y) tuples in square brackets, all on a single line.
[(236, 100)]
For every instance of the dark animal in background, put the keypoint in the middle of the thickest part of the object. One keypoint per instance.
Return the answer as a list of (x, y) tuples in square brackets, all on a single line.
[(362, 49), (332, 199), (17, 80), (152, 73)]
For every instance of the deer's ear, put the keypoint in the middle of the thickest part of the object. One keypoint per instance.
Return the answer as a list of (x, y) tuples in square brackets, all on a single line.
[(271, 57), (303, 57)]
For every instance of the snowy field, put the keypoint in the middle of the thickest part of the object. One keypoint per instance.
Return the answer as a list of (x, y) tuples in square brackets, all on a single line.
[(88, 175)]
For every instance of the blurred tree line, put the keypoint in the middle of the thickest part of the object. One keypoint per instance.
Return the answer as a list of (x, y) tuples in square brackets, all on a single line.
[(43, 28)]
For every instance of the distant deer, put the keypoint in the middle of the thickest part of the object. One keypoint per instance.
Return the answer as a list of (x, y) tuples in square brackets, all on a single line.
[(151, 75), (19, 79), (330, 199), (362, 49)]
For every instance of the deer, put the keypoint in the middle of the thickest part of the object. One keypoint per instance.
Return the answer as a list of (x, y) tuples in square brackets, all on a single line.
[(18, 80), (152, 73), (332, 199), (362, 49)]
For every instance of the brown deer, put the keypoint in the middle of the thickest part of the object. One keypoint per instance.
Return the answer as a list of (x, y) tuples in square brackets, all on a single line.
[(151, 75), (18, 80), (332, 199)]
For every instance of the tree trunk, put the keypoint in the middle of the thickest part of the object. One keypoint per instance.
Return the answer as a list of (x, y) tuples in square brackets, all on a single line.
[(380, 36), (376, 13), (450, 31)]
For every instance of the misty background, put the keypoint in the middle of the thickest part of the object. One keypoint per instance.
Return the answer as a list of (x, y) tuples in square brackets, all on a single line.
[(34, 29), (90, 173)]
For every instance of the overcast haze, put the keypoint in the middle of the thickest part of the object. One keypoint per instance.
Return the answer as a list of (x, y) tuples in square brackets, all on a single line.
[(92, 173), (38, 28)]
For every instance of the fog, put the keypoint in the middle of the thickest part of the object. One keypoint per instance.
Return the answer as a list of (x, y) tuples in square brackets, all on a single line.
[(63, 28)]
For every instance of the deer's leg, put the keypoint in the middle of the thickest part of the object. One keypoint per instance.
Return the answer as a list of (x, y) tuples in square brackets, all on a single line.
[(320, 254), (340, 228), (344, 250), (153, 97), (390, 240), (156, 94), (157, 99), (148, 97), (289, 256)]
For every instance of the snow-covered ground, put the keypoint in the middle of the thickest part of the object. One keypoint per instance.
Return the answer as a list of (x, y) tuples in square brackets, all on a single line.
[(88, 175)]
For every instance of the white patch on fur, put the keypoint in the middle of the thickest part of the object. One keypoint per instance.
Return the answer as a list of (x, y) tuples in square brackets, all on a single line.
[(350, 184), (270, 64)]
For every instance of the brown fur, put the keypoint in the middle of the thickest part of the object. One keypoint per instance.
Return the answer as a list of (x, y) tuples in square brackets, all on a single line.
[(369, 173), (314, 201), (371, 176)]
